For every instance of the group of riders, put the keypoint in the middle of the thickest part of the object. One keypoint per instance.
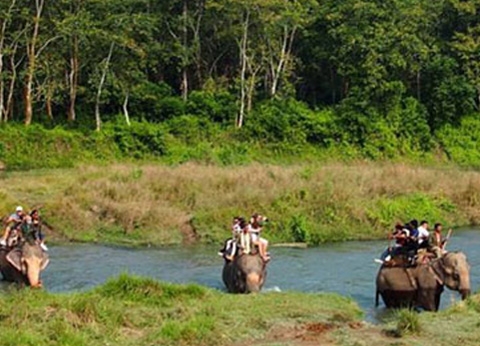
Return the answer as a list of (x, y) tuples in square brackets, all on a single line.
[(246, 238), (413, 237), (409, 238), (22, 226)]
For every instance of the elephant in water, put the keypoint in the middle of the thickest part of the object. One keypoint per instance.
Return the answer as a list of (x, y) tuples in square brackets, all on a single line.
[(245, 274), (23, 264), (421, 286)]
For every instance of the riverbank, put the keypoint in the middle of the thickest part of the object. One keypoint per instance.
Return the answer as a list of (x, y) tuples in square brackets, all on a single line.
[(138, 311), (134, 204)]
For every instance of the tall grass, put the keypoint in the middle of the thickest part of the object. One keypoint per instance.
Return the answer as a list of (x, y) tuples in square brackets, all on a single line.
[(156, 204), (408, 322)]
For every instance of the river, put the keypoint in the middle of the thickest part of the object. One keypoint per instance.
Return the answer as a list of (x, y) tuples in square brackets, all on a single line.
[(346, 268)]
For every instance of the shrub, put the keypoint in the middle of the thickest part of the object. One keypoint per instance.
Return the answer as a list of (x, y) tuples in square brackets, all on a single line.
[(145, 101), (191, 129), (299, 229), (140, 139), (168, 108), (462, 143), (219, 107), (290, 121)]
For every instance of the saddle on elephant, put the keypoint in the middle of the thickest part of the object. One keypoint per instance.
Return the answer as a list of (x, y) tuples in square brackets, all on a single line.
[(423, 256)]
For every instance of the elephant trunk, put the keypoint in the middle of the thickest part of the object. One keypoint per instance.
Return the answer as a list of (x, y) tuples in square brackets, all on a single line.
[(465, 293), (33, 274), (253, 282), (464, 287)]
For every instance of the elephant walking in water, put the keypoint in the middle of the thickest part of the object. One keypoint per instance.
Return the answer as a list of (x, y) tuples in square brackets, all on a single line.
[(245, 274), (23, 264), (422, 286)]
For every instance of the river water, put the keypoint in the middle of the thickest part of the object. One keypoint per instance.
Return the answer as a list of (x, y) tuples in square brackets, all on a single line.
[(346, 268)]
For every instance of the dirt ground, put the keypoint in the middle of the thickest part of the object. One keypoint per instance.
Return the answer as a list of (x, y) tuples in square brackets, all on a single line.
[(326, 334)]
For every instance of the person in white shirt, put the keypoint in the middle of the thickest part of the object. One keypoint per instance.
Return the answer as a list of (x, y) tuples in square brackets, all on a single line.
[(423, 234), (254, 229)]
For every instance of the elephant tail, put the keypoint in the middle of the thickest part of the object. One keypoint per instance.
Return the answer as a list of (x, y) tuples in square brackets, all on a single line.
[(377, 294)]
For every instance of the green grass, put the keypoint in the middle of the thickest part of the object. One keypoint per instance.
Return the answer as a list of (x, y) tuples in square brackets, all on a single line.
[(130, 310), (138, 311)]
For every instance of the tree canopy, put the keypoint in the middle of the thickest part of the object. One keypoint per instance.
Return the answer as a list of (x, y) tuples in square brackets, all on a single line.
[(385, 70)]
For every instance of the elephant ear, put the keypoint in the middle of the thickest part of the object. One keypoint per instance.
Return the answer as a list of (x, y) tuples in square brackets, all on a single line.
[(14, 257)]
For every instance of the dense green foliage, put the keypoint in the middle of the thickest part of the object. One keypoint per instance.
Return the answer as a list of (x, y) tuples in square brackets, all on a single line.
[(350, 78)]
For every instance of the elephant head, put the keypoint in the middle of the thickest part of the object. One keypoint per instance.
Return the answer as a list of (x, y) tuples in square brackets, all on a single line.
[(30, 260), (456, 272), (245, 274)]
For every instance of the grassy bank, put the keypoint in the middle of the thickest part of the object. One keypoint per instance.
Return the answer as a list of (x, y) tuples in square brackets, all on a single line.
[(136, 311), (155, 204)]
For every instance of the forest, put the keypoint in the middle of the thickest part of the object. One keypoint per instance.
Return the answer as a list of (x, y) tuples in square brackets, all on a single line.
[(349, 78)]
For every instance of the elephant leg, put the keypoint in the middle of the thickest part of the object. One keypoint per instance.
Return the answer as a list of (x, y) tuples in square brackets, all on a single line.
[(398, 299), (437, 297), (428, 299)]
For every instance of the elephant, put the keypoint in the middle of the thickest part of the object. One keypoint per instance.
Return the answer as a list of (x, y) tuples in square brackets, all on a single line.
[(422, 285), (246, 273), (23, 264)]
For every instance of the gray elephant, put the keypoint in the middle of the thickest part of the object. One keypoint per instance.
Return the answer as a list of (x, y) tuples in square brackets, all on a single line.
[(422, 286), (245, 274), (23, 264)]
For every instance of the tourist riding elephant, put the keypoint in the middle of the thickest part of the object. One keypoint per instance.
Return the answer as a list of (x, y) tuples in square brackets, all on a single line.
[(245, 274), (421, 286), (23, 264)]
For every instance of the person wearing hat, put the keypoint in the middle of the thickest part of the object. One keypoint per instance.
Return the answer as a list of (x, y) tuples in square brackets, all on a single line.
[(12, 223)]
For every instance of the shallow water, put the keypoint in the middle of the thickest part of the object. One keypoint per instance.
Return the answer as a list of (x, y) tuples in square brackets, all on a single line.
[(346, 268)]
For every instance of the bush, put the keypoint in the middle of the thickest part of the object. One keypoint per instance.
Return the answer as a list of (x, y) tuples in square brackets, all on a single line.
[(36, 147), (462, 143), (139, 140), (397, 128), (290, 121), (299, 229), (146, 100), (191, 129), (219, 107)]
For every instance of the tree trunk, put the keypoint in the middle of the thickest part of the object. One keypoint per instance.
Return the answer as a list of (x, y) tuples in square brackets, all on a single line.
[(418, 85), (13, 80), (48, 105), (98, 121), (3, 115), (184, 86), (197, 42), (73, 81), (333, 85), (251, 88), (125, 109), (243, 59), (277, 69), (31, 52)]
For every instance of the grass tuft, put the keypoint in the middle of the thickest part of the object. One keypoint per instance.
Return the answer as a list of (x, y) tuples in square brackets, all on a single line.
[(407, 322)]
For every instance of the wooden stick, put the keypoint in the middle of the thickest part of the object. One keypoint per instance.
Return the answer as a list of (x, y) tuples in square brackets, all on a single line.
[(449, 234)]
